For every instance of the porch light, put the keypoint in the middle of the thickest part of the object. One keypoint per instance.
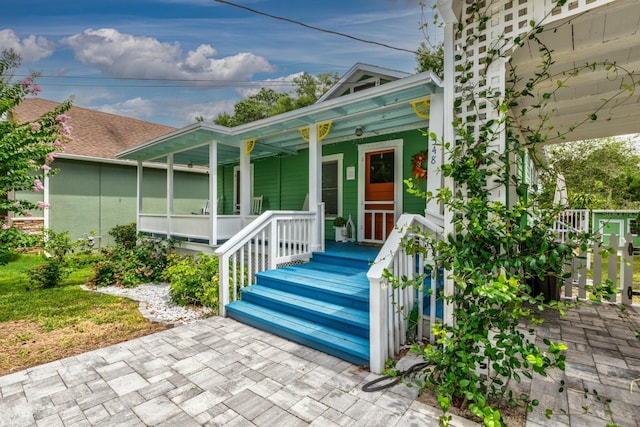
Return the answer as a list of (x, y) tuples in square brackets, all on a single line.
[(359, 131)]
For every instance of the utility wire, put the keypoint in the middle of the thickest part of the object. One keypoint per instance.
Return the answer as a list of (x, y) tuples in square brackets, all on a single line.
[(302, 24)]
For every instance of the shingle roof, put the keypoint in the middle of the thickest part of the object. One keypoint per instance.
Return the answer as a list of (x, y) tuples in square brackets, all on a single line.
[(95, 134)]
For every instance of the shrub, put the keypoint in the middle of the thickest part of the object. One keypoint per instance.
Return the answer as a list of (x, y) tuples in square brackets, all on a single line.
[(49, 274), (58, 245), (125, 235), (12, 240), (130, 267), (56, 267), (193, 280)]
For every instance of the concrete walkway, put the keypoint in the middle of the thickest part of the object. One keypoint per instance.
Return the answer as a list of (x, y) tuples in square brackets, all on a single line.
[(220, 372)]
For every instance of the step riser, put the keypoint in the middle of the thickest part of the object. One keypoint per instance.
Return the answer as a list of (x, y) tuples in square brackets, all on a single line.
[(332, 321), (304, 339), (355, 301), (336, 260)]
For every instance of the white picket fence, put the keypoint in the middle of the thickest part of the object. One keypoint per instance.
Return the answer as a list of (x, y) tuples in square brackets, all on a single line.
[(619, 269)]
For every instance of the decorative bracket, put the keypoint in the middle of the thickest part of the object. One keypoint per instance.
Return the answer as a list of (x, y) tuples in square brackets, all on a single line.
[(323, 131), (421, 107), (250, 144)]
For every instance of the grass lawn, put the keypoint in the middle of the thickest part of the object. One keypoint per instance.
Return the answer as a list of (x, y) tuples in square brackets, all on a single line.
[(41, 325)]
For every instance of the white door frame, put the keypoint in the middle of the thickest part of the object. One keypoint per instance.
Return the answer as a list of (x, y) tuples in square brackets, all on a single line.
[(363, 149)]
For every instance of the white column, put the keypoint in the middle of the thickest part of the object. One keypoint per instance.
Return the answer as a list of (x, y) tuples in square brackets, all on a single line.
[(169, 194), (47, 198), (315, 183), (213, 193), (448, 137), (434, 164), (245, 181), (139, 175)]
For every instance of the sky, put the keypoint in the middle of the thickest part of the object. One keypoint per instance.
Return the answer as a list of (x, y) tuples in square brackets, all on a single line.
[(169, 61)]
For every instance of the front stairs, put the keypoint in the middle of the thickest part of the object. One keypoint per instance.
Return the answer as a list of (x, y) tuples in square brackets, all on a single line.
[(323, 304)]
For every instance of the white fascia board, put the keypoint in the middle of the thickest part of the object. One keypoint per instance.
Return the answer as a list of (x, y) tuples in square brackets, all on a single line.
[(125, 162)]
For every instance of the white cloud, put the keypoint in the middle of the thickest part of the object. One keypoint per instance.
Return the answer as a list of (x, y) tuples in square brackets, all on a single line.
[(136, 107), (280, 84), (31, 49), (209, 111), (125, 55)]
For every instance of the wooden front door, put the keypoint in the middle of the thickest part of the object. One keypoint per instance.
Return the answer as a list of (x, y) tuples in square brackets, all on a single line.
[(379, 195)]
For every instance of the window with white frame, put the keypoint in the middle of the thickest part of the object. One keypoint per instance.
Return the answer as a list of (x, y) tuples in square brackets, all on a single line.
[(332, 185)]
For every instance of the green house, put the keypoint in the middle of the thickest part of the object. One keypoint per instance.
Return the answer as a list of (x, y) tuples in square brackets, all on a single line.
[(348, 153), (93, 191)]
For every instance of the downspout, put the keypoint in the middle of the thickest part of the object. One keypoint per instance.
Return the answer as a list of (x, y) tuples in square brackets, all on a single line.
[(169, 195), (139, 172), (213, 193)]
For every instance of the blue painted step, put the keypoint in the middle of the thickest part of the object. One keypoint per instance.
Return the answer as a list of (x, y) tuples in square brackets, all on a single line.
[(349, 291), (323, 304), (340, 344), (337, 259), (325, 313)]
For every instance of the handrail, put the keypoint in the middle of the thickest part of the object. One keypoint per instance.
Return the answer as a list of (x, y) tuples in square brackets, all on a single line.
[(274, 238), (389, 308)]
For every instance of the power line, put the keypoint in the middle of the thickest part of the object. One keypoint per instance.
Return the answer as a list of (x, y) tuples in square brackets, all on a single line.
[(166, 79), (302, 24)]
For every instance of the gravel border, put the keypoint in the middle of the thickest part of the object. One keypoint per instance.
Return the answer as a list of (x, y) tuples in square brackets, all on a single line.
[(155, 303)]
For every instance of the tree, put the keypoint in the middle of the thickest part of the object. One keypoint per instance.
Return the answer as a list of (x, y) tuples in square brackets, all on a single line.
[(430, 55), (431, 59), (599, 173), (26, 149), (268, 102)]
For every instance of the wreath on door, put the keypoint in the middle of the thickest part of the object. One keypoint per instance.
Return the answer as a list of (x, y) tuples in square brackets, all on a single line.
[(419, 162)]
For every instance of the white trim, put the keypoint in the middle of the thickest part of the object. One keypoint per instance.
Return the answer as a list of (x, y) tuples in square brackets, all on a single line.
[(132, 163), (47, 200), (620, 221), (340, 159), (363, 149)]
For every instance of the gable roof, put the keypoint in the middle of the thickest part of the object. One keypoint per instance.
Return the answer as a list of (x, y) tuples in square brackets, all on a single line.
[(362, 76), (94, 133)]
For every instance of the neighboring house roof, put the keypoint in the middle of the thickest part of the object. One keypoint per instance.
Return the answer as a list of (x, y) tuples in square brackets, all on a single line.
[(94, 133), (362, 76)]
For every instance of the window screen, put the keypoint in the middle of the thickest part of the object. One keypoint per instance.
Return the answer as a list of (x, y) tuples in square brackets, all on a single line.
[(330, 188)]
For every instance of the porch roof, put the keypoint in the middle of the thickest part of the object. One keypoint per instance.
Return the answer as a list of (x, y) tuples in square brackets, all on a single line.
[(610, 32), (379, 110)]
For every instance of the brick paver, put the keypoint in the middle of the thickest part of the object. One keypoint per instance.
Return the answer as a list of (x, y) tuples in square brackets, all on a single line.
[(220, 372)]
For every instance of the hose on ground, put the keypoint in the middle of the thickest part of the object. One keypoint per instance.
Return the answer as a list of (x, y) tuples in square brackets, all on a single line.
[(395, 378)]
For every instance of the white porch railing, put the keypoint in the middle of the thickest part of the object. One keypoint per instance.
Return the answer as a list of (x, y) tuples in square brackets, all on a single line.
[(274, 238), (571, 220), (193, 226), (619, 271), (389, 307)]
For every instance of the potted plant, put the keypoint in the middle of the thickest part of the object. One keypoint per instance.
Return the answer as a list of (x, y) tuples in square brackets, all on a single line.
[(340, 228)]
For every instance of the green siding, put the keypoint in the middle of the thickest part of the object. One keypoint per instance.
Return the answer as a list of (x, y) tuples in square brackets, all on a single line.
[(95, 197), (87, 196), (268, 186), (284, 180)]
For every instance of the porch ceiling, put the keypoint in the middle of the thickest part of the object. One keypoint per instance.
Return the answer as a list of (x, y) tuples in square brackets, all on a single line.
[(383, 109), (608, 33)]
